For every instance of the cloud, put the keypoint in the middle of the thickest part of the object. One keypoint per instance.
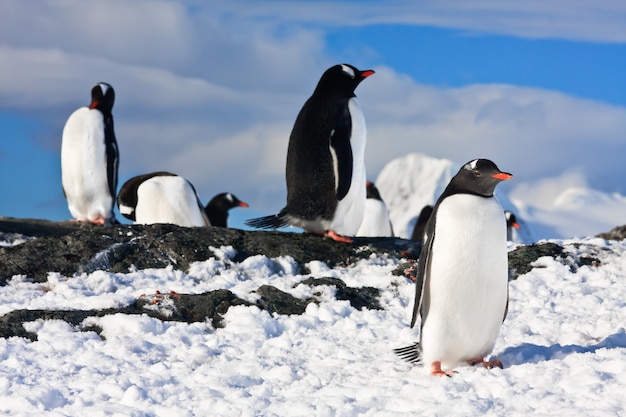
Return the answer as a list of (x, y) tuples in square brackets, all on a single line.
[(581, 20), (211, 90)]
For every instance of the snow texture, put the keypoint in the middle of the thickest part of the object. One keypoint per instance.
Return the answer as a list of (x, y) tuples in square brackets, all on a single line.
[(563, 346)]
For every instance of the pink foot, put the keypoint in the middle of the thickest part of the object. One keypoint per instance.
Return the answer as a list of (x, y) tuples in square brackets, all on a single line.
[(435, 370), (336, 237), (487, 364)]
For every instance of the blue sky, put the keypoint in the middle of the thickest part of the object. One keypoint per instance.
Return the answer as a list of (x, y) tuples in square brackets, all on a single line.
[(210, 90)]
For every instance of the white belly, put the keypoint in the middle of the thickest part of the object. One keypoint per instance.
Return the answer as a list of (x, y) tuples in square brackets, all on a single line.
[(375, 220), (466, 290), (84, 166), (349, 213), (168, 200)]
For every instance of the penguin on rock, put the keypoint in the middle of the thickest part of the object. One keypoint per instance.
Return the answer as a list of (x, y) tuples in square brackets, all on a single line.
[(90, 159), (217, 209), (511, 223), (376, 221), (325, 169), (161, 197), (461, 291), (420, 224)]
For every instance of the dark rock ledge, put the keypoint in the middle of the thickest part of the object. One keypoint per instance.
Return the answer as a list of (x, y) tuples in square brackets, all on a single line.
[(73, 248)]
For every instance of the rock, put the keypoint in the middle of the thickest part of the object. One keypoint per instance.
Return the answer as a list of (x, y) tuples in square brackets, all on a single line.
[(521, 258), (72, 250), (617, 233)]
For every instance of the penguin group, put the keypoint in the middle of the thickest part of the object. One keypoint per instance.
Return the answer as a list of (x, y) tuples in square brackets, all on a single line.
[(461, 291), (89, 172)]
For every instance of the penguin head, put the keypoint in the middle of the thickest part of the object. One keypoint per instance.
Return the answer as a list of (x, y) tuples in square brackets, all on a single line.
[(372, 191), (480, 177), (511, 220), (226, 201), (342, 78), (102, 98)]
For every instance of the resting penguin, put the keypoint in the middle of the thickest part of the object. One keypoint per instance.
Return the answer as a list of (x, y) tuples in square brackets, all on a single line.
[(90, 159), (376, 221), (325, 169), (217, 209), (161, 197), (461, 289)]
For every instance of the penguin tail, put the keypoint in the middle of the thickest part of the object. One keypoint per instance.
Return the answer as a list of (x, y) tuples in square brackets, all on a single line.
[(412, 353), (274, 221)]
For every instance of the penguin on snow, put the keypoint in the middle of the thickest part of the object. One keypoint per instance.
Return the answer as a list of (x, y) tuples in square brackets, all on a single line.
[(325, 169), (461, 290), (217, 209), (376, 216), (161, 197), (90, 159)]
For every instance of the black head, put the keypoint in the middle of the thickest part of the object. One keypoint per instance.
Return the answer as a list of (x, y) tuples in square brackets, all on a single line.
[(217, 209), (102, 98), (511, 220), (372, 191), (342, 78), (479, 177)]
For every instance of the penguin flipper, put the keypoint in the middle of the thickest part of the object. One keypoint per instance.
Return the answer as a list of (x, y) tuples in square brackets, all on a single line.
[(341, 150), (274, 221), (411, 353), (422, 263)]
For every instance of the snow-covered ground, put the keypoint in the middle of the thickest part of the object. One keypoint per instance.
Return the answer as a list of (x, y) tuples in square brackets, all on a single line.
[(563, 346), (554, 208)]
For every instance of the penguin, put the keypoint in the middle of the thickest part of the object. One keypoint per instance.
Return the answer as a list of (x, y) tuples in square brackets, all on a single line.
[(217, 209), (161, 197), (420, 224), (461, 290), (325, 169), (376, 221), (511, 223), (90, 159)]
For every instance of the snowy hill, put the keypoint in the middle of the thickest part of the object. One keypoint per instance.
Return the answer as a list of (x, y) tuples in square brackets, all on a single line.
[(545, 211)]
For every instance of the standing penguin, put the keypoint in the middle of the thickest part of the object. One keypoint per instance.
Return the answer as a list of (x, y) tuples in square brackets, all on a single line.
[(511, 223), (325, 169), (90, 159), (161, 197), (420, 224), (461, 288), (217, 209), (376, 221)]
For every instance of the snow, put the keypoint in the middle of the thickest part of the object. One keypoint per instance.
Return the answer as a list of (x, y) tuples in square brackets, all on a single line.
[(563, 346)]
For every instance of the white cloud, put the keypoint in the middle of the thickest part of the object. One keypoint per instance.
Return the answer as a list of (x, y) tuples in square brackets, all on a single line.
[(601, 21), (205, 88)]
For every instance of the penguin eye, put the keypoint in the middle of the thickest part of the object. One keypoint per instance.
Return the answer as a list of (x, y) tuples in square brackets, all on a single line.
[(477, 173)]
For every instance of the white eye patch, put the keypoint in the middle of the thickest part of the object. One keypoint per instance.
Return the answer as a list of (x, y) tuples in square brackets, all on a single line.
[(104, 88), (347, 70), (471, 166)]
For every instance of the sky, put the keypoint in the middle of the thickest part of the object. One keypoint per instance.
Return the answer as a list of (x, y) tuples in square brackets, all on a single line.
[(210, 90)]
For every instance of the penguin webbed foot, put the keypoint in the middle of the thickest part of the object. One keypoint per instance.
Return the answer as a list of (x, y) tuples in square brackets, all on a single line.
[(435, 370), (411, 353), (337, 237), (494, 363)]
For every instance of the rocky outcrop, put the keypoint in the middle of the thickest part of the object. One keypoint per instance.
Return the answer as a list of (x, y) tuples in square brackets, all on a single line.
[(73, 248)]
